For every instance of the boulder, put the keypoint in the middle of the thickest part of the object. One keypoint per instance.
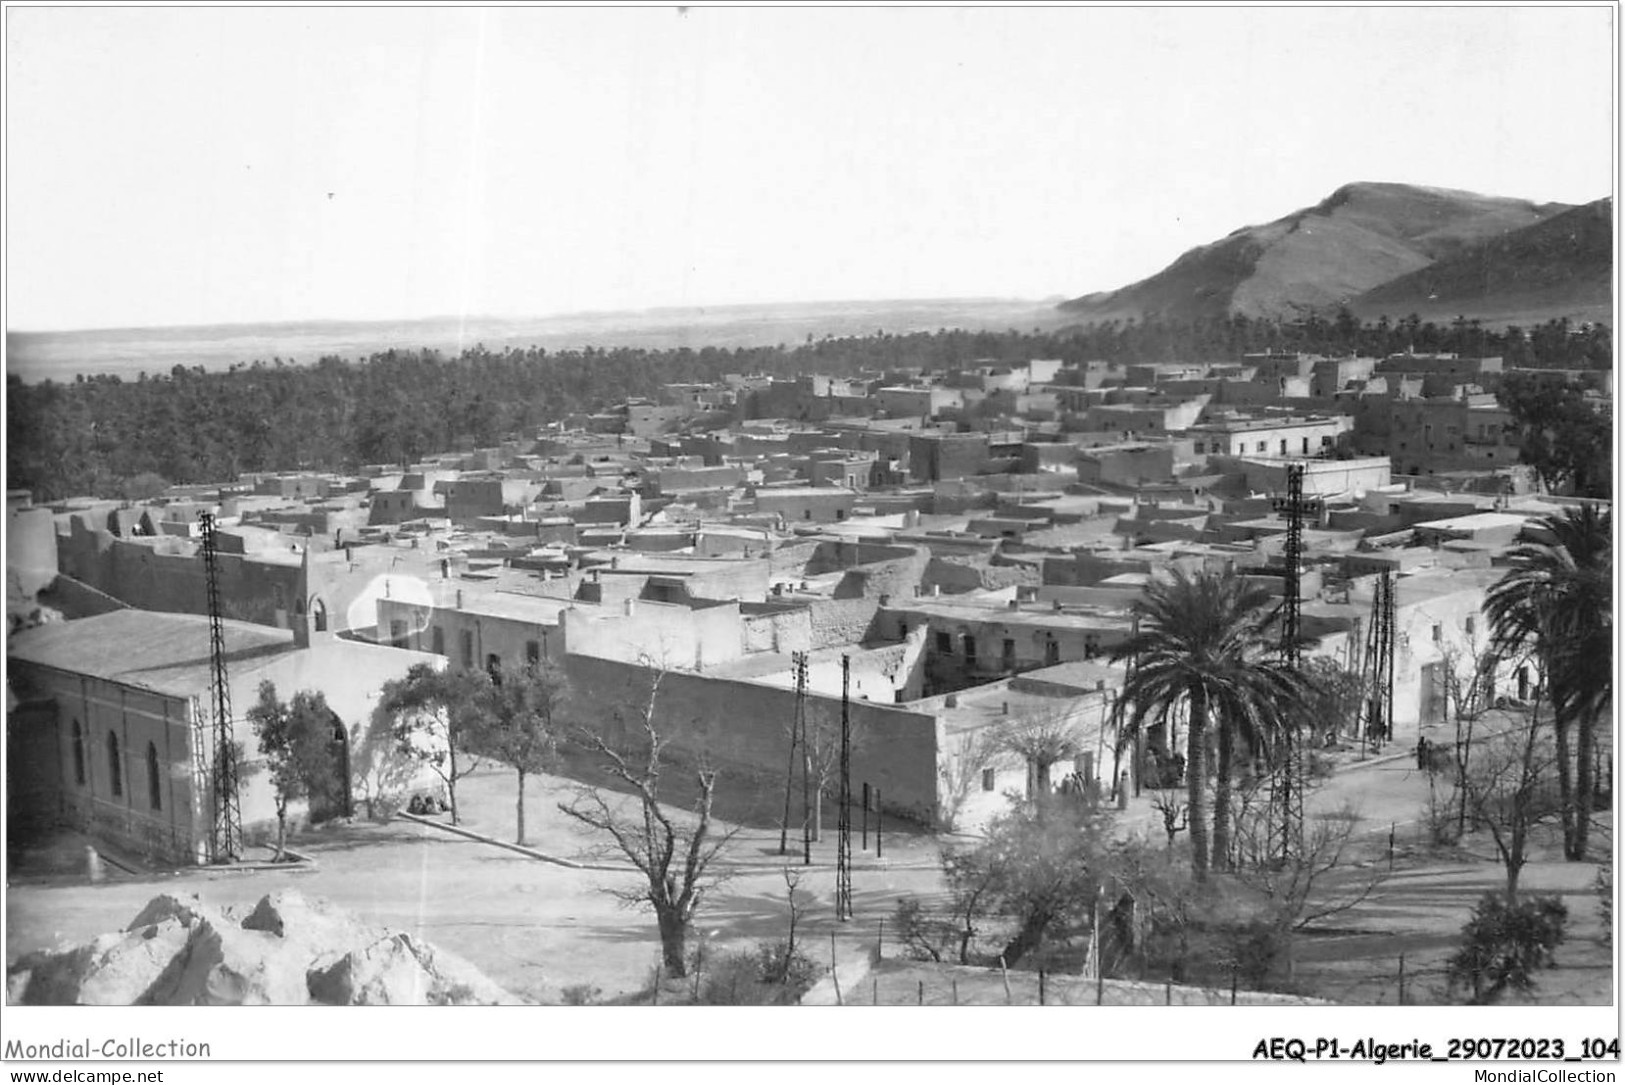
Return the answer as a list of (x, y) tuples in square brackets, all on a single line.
[(458, 983), (134, 970), (228, 966), (54, 975), (187, 909), (324, 928), (386, 973)]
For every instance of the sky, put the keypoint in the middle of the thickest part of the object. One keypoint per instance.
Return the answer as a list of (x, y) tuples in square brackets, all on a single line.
[(211, 165)]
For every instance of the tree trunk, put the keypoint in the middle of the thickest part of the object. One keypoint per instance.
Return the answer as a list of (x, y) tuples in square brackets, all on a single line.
[(1565, 788), (818, 814), (1585, 784), (281, 830), (1196, 780), (673, 937), (1027, 938), (451, 779), (1221, 798), (519, 837)]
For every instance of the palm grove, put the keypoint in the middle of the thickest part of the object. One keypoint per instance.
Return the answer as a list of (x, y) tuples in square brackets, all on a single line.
[(130, 439)]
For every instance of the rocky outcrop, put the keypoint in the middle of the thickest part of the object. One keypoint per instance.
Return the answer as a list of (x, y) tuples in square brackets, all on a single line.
[(288, 950)]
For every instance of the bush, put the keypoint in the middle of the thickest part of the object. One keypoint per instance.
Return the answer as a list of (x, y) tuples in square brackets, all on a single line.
[(769, 975), (1503, 945)]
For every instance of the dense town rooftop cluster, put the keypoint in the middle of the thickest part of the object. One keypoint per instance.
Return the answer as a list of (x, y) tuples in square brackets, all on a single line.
[(972, 542)]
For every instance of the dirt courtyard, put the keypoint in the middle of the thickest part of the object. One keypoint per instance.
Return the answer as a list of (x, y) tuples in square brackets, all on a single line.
[(540, 929)]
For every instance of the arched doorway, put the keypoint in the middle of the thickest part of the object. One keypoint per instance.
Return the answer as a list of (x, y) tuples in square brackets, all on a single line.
[(335, 801)]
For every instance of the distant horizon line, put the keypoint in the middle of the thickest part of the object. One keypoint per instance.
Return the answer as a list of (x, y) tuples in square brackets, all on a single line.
[(673, 310)]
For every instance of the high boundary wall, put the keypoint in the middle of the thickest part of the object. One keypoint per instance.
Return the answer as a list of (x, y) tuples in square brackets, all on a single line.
[(742, 728)]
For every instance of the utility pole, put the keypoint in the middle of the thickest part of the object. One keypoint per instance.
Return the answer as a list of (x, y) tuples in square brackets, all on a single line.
[(843, 832), (806, 758)]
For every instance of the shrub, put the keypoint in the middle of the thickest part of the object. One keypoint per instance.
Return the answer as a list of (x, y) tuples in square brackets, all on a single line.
[(1503, 945), (769, 975)]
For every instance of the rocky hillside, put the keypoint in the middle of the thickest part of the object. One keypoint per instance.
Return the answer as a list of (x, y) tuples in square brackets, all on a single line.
[(1318, 258), (285, 951), (1560, 266)]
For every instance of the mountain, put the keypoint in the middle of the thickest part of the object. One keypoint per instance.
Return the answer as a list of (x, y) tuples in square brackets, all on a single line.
[(1562, 266), (1358, 238)]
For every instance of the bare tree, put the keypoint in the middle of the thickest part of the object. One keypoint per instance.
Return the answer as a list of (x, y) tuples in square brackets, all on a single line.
[(1175, 814), (1510, 791), (972, 754), (1042, 739), (674, 854), (1315, 881), (821, 753)]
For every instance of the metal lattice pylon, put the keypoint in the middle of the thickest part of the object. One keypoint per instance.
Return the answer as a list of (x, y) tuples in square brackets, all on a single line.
[(1289, 779), (843, 831), (226, 824), (1377, 702)]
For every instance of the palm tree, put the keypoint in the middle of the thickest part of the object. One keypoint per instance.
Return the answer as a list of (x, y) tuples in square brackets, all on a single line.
[(1202, 641), (1555, 601)]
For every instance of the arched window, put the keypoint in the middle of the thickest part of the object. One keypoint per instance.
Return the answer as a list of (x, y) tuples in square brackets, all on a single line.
[(115, 768), (155, 790), (318, 611), (78, 754)]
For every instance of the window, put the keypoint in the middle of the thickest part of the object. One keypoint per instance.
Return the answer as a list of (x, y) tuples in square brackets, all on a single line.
[(1262, 445), (114, 767), (1325, 442), (1306, 446), (155, 787), (840, 514), (439, 637), (1052, 652), (970, 648), (468, 649), (493, 667), (319, 611), (1283, 446), (806, 514), (1009, 652), (945, 643), (1438, 633), (1472, 625), (1199, 448), (533, 652), (78, 754), (988, 779)]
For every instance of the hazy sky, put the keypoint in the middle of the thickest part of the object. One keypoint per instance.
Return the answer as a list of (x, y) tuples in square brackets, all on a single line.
[(171, 166)]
